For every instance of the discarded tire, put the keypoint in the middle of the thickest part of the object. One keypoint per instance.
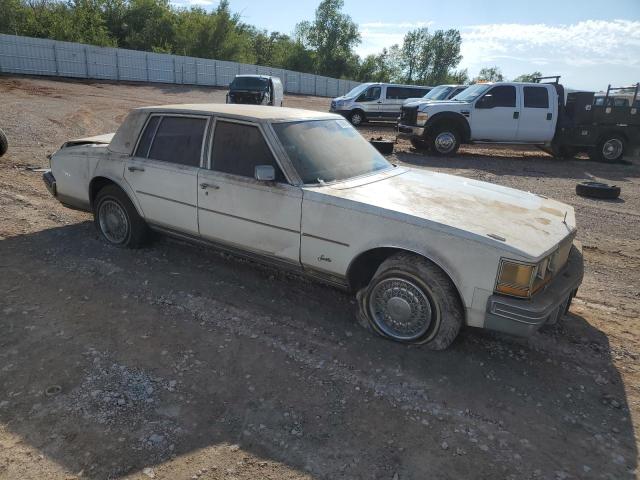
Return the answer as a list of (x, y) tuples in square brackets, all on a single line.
[(597, 190), (385, 147), (4, 143)]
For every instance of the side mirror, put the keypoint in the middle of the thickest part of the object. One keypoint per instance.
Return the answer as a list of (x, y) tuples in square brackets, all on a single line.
[(264, 173), (486, 101)]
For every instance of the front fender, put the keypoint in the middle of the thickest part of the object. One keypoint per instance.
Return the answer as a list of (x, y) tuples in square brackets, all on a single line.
[(455, 118)]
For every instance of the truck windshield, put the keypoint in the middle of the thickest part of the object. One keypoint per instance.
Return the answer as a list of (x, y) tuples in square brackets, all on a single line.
[(249, 83), (328, 150), (356, 91), (471, 93), (438, 93)]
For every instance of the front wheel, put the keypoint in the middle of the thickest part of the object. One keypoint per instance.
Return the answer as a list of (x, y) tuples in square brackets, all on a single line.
[(411, 300), (356, 118), (609, 149), (444, 141), (117, 220)]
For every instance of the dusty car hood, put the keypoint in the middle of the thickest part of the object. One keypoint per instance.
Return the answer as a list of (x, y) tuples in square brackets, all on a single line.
[(106, 138), (531, 225)]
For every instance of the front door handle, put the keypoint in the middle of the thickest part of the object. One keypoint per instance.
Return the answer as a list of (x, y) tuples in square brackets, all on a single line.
[(549, 116), (204, 186), (516, 115), (136, 169), (379, 101)]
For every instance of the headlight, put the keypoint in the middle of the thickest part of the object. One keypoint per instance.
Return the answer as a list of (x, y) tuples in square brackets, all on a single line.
[(515, 279), (421, 118)]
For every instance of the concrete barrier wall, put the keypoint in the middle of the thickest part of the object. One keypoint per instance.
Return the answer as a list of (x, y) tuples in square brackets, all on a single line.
[(38, 56)]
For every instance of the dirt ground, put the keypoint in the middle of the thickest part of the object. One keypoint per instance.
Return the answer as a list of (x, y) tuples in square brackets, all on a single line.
[(179, 362)]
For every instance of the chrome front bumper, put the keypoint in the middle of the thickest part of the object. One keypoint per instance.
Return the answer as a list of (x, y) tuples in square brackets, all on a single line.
[(408, 131), (524, 317)]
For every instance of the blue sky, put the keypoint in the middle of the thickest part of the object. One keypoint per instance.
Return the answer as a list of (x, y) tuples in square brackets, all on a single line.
[(586, 43)]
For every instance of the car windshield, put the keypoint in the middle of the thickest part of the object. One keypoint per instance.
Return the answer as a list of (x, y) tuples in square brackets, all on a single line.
[(356, 91), (438, 93), (249, 83), (471, 93), (328, 150)]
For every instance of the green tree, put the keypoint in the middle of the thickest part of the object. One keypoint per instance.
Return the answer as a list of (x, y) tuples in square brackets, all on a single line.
[(332, 35), (527, 77), (489, 74)]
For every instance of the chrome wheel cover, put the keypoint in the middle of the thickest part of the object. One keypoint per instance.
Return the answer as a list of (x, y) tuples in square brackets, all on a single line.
[(400, 309), (113, 221), (356, 119), (445, 142), (612, 149)]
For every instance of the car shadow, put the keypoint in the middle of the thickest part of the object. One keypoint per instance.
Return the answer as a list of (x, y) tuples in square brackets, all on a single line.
[(117, 360)]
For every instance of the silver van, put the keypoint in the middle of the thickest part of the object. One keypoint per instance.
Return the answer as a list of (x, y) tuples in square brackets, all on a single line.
[(256, 90), (375, 101)]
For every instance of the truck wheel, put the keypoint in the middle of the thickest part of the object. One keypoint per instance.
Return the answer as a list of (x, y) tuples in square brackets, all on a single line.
[(117, 220), (444, 141), (4, 143), (419, 144), (356, 118), (411, 300), (610, 149)]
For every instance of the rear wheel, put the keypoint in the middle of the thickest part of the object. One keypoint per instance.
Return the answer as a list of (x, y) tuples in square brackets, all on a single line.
[(356, 118), (117, 220), (610, 149), (444, 141), (411, 300)]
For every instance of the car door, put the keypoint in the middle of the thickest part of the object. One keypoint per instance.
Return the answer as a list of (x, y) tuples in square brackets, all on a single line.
[(163, 172), (392, 102), (537, 122), (369, 101), (237, 210), (495, 115)]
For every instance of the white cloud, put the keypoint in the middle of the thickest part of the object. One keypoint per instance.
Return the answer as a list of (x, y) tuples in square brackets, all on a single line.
[(586, 43), (379, 35)]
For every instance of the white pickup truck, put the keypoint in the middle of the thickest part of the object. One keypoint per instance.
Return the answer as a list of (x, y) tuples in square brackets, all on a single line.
[(539, 114)]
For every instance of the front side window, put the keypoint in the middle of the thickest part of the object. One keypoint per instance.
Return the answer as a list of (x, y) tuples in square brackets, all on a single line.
[(502, 96), (173, 139), (328, 150), (536, 97), (238, 148), (373, 93)]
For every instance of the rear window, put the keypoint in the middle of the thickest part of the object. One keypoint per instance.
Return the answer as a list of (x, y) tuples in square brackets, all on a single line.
[(536, 97), (173, 139)]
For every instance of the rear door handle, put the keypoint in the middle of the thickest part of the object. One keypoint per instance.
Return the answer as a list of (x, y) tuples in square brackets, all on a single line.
[(136, 169), (516, 115), (204, 186)]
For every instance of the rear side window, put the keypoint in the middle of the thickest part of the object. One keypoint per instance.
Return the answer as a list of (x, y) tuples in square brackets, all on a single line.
[(147, 136), (503, 96), (239, 148), (173, 139), (536, 97)]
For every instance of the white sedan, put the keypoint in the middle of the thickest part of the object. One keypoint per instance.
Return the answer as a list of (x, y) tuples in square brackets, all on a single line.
[(425, 253)]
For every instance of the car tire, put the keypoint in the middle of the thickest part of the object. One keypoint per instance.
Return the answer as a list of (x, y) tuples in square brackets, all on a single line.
[(597, 190), (117, 220), (564, 152), (411, 300), (4, 143), (356, 118), (419, 144), (610, 149), (444, 141)]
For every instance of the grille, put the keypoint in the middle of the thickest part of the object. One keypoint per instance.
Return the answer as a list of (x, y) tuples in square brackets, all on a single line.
[(409, 115)]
